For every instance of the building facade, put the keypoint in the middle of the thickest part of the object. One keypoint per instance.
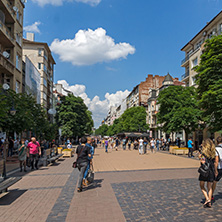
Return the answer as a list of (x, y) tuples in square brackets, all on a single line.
[(153, 107), (11, 42), (193, 49), (40, 55)]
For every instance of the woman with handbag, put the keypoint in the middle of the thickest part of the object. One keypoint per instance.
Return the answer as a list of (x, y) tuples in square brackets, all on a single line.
[(83, 153), (206, 170)]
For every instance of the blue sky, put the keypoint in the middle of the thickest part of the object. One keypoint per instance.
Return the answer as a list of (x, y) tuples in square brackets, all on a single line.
[(153, 33)]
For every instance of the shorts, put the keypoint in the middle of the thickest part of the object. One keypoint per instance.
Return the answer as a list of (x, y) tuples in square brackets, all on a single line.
[(152, 147), (219, 176)]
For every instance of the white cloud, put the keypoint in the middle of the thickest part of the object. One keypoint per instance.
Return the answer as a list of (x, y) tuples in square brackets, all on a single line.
[(60, 2), (90, 47), (33, 28), (99, 108)]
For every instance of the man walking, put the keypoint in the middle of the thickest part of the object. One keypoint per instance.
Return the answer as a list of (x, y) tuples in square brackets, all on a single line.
[(34, 151), (190, 147), (141, 146)]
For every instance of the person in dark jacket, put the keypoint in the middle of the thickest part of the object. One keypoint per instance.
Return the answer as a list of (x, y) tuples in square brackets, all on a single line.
[(83, 153)]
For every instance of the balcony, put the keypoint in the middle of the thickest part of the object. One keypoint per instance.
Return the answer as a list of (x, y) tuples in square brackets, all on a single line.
[(7, 38), (185, 75), (7, 7), (185, 60), (6, 64)]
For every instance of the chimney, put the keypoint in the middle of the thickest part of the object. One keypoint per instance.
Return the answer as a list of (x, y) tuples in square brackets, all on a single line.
[(30, 36)]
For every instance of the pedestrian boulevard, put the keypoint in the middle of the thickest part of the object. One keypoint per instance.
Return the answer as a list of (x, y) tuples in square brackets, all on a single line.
[(127, 187)]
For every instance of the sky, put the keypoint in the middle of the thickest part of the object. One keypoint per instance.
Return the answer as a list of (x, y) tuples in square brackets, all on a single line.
[(104, 48)]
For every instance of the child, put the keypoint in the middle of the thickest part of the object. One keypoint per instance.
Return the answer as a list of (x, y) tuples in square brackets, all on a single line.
[(22, 155)]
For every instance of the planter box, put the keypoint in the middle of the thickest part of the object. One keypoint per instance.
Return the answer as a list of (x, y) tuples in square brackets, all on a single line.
[(67, 153), (180, 151), (60, 150)]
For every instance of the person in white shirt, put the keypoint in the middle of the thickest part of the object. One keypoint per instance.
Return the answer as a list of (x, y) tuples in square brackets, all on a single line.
[(141, 146), (218, 163), (152, 145), (69, 146)]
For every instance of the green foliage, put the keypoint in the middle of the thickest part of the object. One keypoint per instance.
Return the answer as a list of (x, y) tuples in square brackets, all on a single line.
[(102, 130), (132, 120), (29, 116), (210, 83), (178, 109), (73, 117)]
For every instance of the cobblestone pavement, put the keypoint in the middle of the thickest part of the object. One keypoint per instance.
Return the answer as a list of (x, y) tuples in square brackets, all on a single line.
[(166, 200), (150, 192)]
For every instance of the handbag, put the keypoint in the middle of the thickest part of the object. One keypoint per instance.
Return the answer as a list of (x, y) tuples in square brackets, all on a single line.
[(90, 177), (204, 169), (74, 165)]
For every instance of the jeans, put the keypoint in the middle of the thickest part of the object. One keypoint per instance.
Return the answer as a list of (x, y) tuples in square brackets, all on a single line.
[(34, 158), (86, 172), (145, 148), (157, 147), (190, 154), (141, 149), (10, 151), (82, 167), (106, 147)]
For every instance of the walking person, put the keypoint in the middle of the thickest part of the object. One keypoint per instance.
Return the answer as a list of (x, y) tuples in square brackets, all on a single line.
[(190, 147), (106, 145), (141, 146), (10, 147), (83, 153), (117, 144), (129, 144), (34, 151), (207, 156), (90, 145), (152, 145), (145, 143), (22, 155), (124, 144), (218, 163), (157, 144)]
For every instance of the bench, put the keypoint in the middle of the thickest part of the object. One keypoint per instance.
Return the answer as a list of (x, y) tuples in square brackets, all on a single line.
[(50, 155), (6, 182)]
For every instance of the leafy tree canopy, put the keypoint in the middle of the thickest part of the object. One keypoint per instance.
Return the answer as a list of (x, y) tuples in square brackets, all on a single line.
[(178, 109), (210, 83), (73, 117)]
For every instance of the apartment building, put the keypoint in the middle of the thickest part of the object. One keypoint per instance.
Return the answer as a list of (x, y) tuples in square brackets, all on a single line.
[(11, 31), (40, 55), (139, 95), (193, 49), (153, 107)]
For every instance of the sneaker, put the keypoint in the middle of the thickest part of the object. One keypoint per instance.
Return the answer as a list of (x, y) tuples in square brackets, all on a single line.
[(79, 190)]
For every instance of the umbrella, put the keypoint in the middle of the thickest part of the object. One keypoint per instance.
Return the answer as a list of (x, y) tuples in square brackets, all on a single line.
[(145, 135), (132, 135)]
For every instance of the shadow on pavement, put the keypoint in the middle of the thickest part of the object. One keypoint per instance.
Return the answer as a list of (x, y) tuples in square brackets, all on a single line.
[(60, 160), (94, 185), (11, 196)]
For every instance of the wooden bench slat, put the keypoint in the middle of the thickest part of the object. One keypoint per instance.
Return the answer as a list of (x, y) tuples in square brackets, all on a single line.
[(9, 182)]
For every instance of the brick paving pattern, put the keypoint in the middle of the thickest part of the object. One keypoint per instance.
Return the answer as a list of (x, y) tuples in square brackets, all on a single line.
[(127, 187), (166, 200)]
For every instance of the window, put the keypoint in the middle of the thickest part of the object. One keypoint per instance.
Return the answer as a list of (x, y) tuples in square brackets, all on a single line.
[(194, 62), (40, 52), (19, 17), (220, 28), (18, 62), (45, 55), (17, 86), (44, 82), (45, 69), (18, 39), (39, 65), (44, 96)]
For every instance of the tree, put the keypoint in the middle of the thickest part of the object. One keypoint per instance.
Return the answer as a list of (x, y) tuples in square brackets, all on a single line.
[(178, 109), (134, 120), (74, 117), (102, 130), (210, 83)]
